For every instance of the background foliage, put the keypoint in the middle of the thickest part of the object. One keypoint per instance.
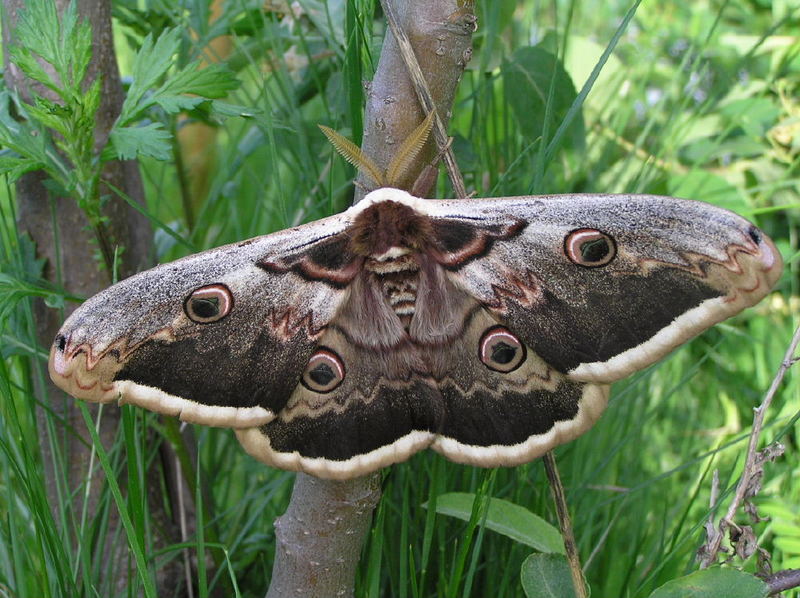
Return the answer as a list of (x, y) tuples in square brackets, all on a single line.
[(695, 99)]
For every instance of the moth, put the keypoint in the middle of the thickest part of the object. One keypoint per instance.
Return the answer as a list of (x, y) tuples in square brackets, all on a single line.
[(485, 329)]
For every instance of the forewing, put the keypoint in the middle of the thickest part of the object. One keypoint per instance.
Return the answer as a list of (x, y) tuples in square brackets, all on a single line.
[(680, 266), (136, 342)]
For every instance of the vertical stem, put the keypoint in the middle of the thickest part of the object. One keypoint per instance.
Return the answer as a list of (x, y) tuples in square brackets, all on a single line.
[(327, 517), (319, 537), (565, 524)]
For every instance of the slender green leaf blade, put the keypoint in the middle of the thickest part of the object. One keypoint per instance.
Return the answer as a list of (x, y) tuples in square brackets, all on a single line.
[(506, 518)]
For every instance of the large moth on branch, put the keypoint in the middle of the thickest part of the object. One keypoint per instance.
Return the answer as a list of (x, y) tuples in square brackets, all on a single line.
[(486, 329)]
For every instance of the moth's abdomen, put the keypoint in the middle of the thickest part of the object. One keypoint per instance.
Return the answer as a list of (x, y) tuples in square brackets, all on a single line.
[(398, 279)]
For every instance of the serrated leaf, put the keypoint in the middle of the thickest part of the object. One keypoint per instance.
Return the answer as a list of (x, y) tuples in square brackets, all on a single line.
[(65, 43), (50, 115), (173, 104), (91, 101), (150, 64), (547, 576), (148, 140), (714, 583), (184, 90), (214, 81), (39, 29), (28, 64), (506, 518)]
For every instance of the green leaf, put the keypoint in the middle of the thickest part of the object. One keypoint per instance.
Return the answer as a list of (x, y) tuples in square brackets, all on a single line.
[(547, 576), (173, 104), (65, 44), (182, 91), (226, 109), (714, 583), (28, 64), (150, 64), (130, 142), (506, 518), (14, 167), (527, 78), (51, 115), (24, 138), (214, 81), (700, 184)]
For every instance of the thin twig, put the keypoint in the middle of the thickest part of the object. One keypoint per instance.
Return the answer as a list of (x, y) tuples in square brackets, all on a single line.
[(782, 581), (425, 98), (187, 558), (565, 524), (714, 543)]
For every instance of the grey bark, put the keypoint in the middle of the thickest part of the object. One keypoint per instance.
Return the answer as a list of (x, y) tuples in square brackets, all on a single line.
[(65, 240), (320, 537), (441, 34)]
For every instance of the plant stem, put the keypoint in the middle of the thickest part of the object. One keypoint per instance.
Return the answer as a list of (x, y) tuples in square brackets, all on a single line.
[(565, 524), (713, 545)]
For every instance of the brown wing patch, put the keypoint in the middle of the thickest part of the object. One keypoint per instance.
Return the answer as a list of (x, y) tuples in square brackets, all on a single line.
[(330, 261), (457, 242), (494, 417)]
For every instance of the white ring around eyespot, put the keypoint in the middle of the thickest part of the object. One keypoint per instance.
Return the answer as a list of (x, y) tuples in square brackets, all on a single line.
[(219, 291), (330, 354), (574, 240), (500, 332), (329, 357)]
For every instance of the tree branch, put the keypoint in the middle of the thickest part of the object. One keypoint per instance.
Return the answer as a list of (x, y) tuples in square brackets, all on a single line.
[(327, 517), (319, 537), (424, 93), (440, 34), (782, 581)]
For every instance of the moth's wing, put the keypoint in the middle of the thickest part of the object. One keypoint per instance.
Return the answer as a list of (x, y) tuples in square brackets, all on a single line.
[(384, 408), (495, 418), (680, 267), (135, 341)]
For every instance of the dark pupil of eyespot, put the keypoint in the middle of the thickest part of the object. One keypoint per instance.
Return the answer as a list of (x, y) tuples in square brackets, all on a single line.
[(754, 235), (503, 353), (207, 307), (322, 374), (595, 250), (61, 342)]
